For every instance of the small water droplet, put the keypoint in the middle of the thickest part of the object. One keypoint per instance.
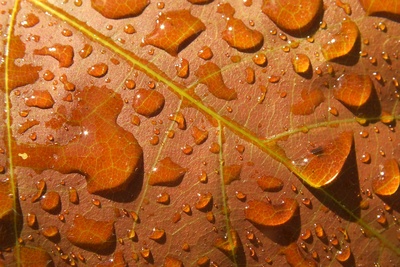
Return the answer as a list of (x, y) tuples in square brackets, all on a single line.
[(187, 209), (163, 198), (146, 254), (345, 6), (148, 102), (250, 75), (166, 173), (73, 195), (158, 235), (30, 20), (301, 63), (204, 202), (260, 59), (86, 51), (214, 148), (306, 236), (343, 255), (98, 70), (319, 231), (50, 232), (31, 220)]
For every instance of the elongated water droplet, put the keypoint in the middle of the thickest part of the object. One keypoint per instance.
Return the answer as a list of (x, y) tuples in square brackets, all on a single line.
[(343, 255), (166, 173), (353, 90), (182, 68), (86, 51), (117, 10), (63, 53), (40, 99), (270, 183), (30, 20)]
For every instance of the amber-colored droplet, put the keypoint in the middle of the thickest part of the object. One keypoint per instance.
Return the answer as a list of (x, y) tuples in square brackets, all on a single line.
[(236, 58), (86, 51), (343, 255), (63, 53), (73, 195), (187, 149), (98, 70), (307, 202), (250, 75), (27, 125), (146, 254), (214, 148), (172, 262), (205, 53), (172, 29), (32, 256), (135, 120), (84, 233), (48, 75), (307, 235), (388, 180), (260, 59), (284, 14), (199, 136), (129, 29), (345, 6), (147, 102), (182, 68), (130, 84), (157, 234), (179, 119), (319, 231), (364, 204), (115, 10), (210, 75), (50, 232), (186, 247), (187, 209), (203, 261), (204, 202), (270, 183), (41, 99), (342, 42), (301, 63), (31, 220), (333, 111), (229, 244), (311, 99), (203, 178), (265, 214), (30, 20), (166, 173), (294, 257), (163, 198), (274, 79), (240, 195), (51, 202), (387, 117)]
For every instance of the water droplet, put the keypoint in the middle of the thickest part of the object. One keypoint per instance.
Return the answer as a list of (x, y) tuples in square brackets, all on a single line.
[(84, 233), (187, 209), (51, 202), (179, 119), (172, 262), (86, 51), (41, 188), (27, 125), (343, 42), (214, 148), (240, 195), (173, 30), (40, 99), (323, 168), (182, 68), (392, 8), (73, 195), (129, 29), (166, 173), (270, 183), (203, 261), (148, 102), (285, 14), (265, 214), (365, 158), (205, 53), (199, 136), (387, 118), (237, 34), (388, 180), (98, 70), (343, 255), (319, 231), (210, 217), (32, 256), (210, 75), (96, 202), (68, 86), (187, 149), (31, 220), (204, 202), (274, 78), (163, 198), (158, 235), (306, 236), (307, 202), (260, 59), (294, 257), (66, 32), (345, 6), (186, 247), (231, 173), (51, 232), (333, 111), (301, 64), (311, 100), (116, 10), (30, 20), (63, 53), (48, 75), (250, 75)]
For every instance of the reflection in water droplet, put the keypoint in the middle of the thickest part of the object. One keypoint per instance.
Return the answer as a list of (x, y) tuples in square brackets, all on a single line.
[(199, 136), (166, 173), (353, 90), (172, 262), (173, 31), (146, 254), (388, 180), (343, 255), (260, 59), (210, 75), (40, 99), (343, 42), (84, 233), (311, 100), (286, 14), (31, 220), (98, 70), (117, 10), (265, 214), (386, 9), (157, 235), (63, 53), (270, 183), (319, 231), (163, 198), (148, 102)]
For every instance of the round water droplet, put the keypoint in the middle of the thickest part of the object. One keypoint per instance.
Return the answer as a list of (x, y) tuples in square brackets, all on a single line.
[(204, 202), (286, 14), (260, 59), (48, 75), (63, 53), (343, 42), (51, 202), (98, 70), (148, 102), (157, 235), (116, 10), (270, 183), (214, 148), (166, 173), (205, 53), (265, 214), (86, 51), (343, 255), (301, 64), (173, 29), (388, 180)]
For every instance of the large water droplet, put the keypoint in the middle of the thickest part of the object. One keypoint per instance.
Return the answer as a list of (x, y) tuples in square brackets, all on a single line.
[(265, 214), (210, 75), (301, 64), (40, 99), (92, 235), (388, 9), (98, 70), (353, 90), (322, 168), (117, 10), (32, 256), (270, 183), (388, 180), (174, 30), (295, 258), (30, 20), (199, 136), (231, 173), (172, 262), (51, 202), (293, 16), (343, 42), (311, 100), (148, 102), (204, 202), (166, 173), (63, 53)]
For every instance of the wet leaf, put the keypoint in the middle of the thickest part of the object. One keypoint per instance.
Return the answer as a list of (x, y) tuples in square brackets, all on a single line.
[(150, 133)]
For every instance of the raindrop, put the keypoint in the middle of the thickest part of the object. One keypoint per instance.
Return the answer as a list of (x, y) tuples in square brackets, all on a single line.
[(129, 29), (343, 255), (173, 29), (210, 75), (182, 68), (388, 180), (199, 136), (148, 102), (179, 119), (306, 236), (231, 173), (240, 195), (187, 149), (63, 53), (250, 75), (166, 173), (68, 86), (157, 235), (146, 254), (203, 261), (96, 202), (204, 202), (214, 148), (319, 231), (260, 59), (51, 202), (274, 78), (301, 64), (73, 195), (30, 20), (345, 6), (366, 158), (342, 42), (210, 217), (50, 232), (48, 75), (311, 100), (115, 10), (86, 51), (163, 198), (205, 53), (172, 262), (229, 244), (31, 220), (270, 183), (98, 70)]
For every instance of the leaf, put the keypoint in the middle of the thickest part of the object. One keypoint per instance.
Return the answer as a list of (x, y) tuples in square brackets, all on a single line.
[(198, 133)]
